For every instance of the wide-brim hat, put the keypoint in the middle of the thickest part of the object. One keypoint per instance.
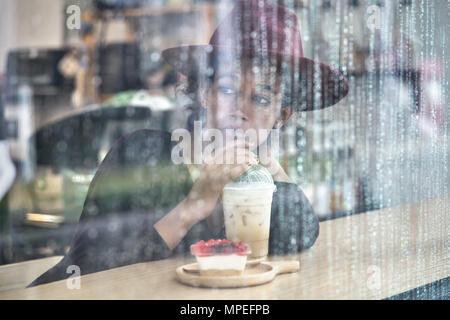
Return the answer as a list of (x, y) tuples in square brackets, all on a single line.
[(259, 29)]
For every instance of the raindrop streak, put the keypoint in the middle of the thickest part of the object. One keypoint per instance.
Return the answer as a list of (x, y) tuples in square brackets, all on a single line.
[(386, 144)]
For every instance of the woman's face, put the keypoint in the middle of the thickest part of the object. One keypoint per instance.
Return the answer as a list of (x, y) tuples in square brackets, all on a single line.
[(244, 97)]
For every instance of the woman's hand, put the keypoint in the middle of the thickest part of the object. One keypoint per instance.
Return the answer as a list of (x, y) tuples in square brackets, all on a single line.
[(215, 173), (202, 199), (271, 163)]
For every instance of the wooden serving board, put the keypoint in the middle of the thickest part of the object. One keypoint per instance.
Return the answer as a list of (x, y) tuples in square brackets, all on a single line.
[(254, 274)]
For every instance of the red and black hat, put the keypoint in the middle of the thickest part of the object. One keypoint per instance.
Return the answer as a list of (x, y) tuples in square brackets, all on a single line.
[(264, 30)]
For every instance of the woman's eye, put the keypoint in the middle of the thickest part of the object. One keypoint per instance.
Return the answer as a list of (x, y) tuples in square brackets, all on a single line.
[(227, 90), (261, 100)]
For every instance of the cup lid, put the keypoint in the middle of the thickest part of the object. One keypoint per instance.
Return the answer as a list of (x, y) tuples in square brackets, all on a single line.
[(255, 175)]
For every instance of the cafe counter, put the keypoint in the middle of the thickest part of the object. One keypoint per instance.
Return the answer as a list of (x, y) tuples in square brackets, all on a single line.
[(372, 255)]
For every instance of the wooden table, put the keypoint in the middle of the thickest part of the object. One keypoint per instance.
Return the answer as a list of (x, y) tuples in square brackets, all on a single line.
[(366, 256), (19, 275)]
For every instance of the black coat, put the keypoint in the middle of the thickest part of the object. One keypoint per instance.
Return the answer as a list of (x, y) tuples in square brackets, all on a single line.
[(135, 186)]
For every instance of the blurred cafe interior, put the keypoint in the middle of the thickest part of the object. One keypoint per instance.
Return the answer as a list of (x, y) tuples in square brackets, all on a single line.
[(77, 75)]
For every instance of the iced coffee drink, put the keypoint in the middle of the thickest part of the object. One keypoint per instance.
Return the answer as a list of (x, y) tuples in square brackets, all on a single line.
[(247, 203)]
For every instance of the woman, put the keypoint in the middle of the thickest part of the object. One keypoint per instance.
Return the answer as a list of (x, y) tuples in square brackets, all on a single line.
[(142, 207)]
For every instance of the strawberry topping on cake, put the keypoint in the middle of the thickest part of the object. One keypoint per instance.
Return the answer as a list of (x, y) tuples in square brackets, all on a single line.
[(219, 247)]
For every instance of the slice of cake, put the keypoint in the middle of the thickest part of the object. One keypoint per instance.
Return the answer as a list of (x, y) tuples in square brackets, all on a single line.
[(220, 257)]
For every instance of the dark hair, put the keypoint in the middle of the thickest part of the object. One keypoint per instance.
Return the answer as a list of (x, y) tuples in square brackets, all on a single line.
[(189, 88)]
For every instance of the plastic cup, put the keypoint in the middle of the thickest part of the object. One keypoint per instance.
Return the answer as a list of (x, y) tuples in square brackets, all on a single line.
[(247, 212)]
